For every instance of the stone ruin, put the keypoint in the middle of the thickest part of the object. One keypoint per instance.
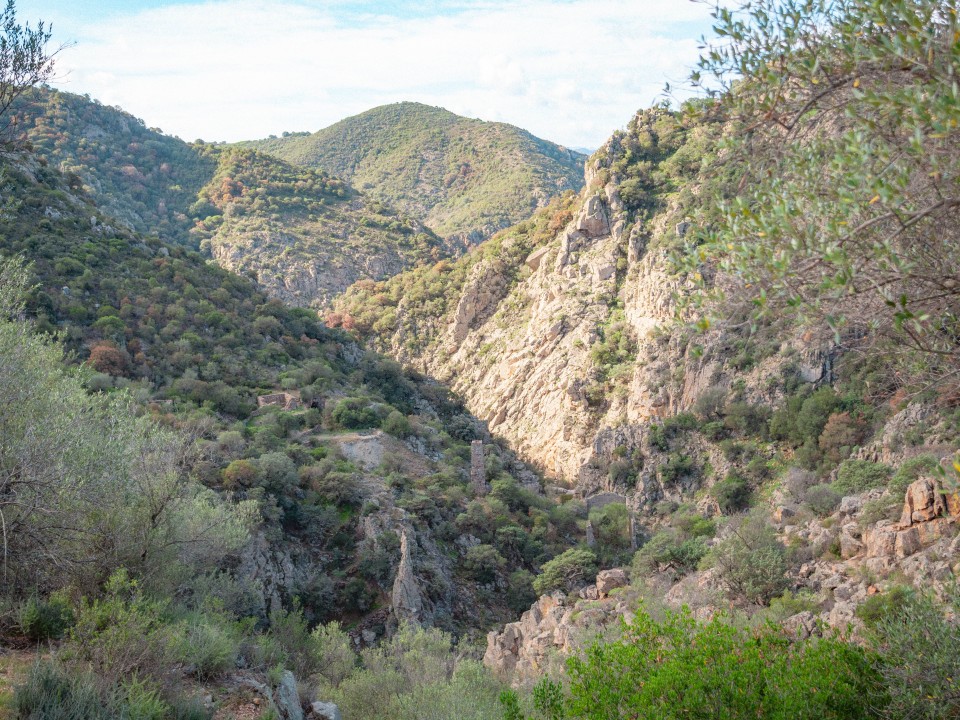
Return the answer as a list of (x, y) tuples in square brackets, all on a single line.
[(478, 470), (284, 400)]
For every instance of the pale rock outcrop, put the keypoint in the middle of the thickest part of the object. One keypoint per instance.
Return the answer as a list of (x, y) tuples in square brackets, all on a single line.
[(288, 698), (608, 580), (324, 711), (550, 628), (592, 220), (406, 601)]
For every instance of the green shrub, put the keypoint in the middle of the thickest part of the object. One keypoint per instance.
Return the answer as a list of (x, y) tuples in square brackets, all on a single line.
[(483, 562), (46, 619), (288, 642), (355, 414), (333, 651), (124, 633), (732, 493), (141, 700), (396, 424), (883, 606), (566, 571), (678, 668), (857, 476), (211, 644), (711, 402), (746, 419), (918, 659), (693, 524), (668, 551), (910, 471), (677, 466), (520, 592), (714, 431), (877, 509), (751, 562), (822, 499)]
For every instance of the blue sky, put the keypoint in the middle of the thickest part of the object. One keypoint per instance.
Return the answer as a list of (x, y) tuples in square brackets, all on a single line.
[(571, 71)]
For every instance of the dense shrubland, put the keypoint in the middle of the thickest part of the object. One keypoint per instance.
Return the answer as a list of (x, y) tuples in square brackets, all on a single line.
[(133, 485)]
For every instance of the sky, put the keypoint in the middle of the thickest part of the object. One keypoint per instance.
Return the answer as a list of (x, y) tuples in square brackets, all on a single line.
[(570, 71)]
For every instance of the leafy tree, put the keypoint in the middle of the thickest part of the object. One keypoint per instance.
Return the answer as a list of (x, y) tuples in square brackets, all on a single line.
[(848, 130), (483, 562), (751, 562), (24, 59), (918, 658), (566, 571), (85, 483)]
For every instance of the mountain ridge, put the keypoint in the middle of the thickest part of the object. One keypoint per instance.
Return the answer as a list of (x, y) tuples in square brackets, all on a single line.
[(436, 165)]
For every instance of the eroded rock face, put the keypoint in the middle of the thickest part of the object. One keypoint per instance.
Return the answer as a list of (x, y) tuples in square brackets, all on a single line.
[(324, 711), (926, 500), (592, 220), (406, 600)]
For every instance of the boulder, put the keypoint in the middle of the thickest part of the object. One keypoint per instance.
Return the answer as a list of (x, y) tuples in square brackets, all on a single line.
[(924, 501), (588, 593), (850, 545), (850, 505), (802, 625), (534, 258), (605, 272), (288, 698), (608, 580), (782, 513), (324, 711)]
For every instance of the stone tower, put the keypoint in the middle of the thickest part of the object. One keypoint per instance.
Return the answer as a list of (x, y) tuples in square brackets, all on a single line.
[(478, 471)]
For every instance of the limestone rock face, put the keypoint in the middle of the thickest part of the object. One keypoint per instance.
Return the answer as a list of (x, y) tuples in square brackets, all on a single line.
[(924, 501), (285, 270), (523, 648)]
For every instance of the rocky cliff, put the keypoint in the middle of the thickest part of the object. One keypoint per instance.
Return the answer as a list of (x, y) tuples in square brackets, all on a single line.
[(566, 344)]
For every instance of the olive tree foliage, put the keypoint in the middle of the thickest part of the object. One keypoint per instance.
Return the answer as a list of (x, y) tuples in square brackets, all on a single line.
[(24, 60), (845, 122), (86, 484)]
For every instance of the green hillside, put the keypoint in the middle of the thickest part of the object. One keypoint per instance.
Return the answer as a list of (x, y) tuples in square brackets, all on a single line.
[(138, 175), (304, 235), (192, 346), (463, 178)]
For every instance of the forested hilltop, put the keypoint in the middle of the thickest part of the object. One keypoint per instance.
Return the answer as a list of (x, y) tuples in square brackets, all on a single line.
[(463, 178), (684, 442), (302, 234)]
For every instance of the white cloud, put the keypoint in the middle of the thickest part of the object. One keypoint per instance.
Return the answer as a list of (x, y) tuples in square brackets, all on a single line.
[(568, 71)]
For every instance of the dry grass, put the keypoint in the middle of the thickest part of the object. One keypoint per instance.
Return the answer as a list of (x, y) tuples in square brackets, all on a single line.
[(14, 665)]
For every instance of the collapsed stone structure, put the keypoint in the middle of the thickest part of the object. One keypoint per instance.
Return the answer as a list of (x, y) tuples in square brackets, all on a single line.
[(282, 399)]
